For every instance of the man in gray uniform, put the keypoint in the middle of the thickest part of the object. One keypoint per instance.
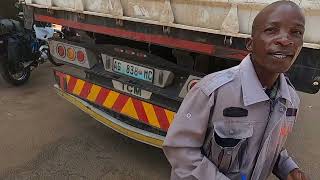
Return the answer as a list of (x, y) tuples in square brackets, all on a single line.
[(234, 123)]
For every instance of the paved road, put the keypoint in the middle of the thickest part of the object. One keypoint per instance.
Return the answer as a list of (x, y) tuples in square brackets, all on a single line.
[(44, 137)]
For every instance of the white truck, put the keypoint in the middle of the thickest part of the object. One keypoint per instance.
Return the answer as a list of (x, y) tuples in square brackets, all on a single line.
[(130, 63)]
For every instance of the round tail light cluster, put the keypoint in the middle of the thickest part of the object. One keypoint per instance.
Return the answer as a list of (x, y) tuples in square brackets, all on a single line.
[(71, 53)]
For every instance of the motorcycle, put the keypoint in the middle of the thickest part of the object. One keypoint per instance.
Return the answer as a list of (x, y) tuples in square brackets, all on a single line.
[(22, 50)]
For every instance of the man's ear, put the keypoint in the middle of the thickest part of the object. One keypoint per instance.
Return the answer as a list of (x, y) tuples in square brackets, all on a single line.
[(249, 44)]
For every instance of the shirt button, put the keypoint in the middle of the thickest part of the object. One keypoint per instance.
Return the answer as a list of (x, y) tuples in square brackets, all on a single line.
[(189, 115), (229, 152), (281, 109)]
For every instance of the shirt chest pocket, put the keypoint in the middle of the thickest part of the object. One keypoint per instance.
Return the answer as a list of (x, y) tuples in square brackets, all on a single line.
[(229, 141)]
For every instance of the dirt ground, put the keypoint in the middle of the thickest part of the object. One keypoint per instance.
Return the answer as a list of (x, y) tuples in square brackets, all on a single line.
[(42, 136)]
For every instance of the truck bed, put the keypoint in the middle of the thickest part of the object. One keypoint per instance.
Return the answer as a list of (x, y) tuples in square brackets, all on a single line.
[(230, 18)]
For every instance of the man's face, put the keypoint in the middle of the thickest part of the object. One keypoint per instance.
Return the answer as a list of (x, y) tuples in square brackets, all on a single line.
[(277, 38)]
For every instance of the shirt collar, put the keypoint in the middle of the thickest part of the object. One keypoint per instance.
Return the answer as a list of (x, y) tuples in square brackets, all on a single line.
[(252, 90), (284, 91)]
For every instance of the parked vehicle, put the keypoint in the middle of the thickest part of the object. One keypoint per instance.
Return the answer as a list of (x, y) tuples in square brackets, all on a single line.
[(22, 50), (131, 63)]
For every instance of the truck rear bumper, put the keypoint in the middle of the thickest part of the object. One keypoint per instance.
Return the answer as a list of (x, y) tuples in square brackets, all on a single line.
[(113, 123), (134, 117)]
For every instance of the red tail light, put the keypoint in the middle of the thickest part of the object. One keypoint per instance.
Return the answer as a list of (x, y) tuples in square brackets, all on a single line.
[(80, 57), (61, 51)]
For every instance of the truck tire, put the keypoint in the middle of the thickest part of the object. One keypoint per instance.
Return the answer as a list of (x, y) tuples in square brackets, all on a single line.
[(15, 79)]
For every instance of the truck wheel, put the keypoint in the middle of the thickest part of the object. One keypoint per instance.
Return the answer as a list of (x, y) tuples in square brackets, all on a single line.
[(16, 78)]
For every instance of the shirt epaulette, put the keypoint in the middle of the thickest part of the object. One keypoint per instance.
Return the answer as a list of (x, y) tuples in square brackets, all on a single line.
[(215, 80)]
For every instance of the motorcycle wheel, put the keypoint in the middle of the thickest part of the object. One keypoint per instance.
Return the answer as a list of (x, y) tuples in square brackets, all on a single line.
[(14, 78)]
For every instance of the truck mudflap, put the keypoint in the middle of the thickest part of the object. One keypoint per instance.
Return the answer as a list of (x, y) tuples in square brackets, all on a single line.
[(127, 115)]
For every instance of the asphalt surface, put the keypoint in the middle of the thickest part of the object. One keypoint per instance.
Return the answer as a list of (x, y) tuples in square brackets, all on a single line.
[(42, 136)]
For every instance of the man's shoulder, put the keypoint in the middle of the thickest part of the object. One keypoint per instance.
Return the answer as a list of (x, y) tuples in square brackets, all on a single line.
[(213, 81)]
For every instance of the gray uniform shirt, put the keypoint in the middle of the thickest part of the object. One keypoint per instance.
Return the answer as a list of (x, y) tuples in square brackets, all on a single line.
[(228, 128)]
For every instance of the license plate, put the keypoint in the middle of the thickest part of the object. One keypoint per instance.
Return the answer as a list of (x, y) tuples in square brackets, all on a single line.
[(135, 91), (133, 70)]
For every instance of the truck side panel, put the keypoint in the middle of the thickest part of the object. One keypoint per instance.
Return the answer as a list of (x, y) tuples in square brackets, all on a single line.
[(214, 16)]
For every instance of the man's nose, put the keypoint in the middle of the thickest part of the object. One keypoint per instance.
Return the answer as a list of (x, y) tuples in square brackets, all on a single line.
[(284, 40)]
